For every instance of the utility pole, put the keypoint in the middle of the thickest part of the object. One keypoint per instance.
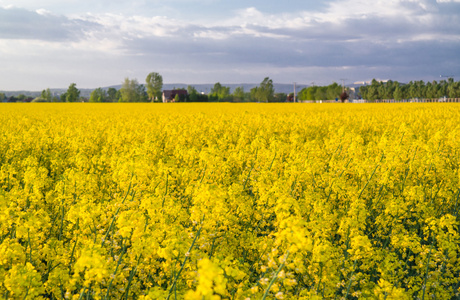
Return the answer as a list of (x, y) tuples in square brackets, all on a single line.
[(343, 84)]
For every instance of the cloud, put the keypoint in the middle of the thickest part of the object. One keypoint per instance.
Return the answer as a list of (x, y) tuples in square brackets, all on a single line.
[(17, 23), (338, 38)]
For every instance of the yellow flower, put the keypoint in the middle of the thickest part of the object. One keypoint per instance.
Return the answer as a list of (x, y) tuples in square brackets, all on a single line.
[(24, 282)]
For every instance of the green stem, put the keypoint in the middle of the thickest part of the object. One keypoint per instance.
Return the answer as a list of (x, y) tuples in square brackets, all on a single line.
[(115, 272), (351, 279), (115, 216), (183, 263), (82, 293), (62, 222), (456, 203), (166, 191), (30, 246), (360, 194), (271, 164), (131, 276), (275, 276), (427, 269)]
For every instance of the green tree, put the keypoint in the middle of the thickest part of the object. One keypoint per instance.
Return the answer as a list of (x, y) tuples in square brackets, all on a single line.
[(192, 94), (453, 90), (320, 93), (373, 90), (333, 91), (219, 92), (112, 95), (2, 97), (142, 95), (412, 90), (72, 94), (265, 91), (302, 95), (311, 91), (47, 95), (398, 93), (238, 94), (280, 97), (253, 94), (420, 89), (132, 91), (154, 83), (98, 95), (432, 89)]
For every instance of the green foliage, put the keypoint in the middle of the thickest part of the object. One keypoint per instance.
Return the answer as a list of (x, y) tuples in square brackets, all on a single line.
[(220, 93), (414, 89), (154, 83), (265, 91), (238, 94), (47, 95), (98, 95), (113, 95), (194, 96), (398, 93), (132, 91), (453, 89), (142, 93), (253, 94), (72, 94), (280, 97), (329, 92)]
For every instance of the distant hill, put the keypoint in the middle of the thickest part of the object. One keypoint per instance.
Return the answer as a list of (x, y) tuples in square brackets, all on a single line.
[(205, 88), (55, 92)]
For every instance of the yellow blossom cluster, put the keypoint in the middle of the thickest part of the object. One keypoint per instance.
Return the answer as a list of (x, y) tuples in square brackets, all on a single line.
[(229, 201)]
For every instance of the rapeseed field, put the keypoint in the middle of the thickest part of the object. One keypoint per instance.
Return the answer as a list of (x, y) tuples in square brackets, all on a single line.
[(229, 201)]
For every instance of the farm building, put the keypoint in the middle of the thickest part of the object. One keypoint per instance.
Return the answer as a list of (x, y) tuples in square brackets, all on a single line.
[(170, 95)]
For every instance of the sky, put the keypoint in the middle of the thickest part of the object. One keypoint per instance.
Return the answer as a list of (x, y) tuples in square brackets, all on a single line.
[(99, 43)]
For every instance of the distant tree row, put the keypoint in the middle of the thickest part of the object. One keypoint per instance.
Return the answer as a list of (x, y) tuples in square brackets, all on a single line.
[(265, 92), (132, 91), (414, 89), (329, 92)]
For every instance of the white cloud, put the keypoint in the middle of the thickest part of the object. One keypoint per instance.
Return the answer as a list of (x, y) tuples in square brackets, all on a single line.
[(43, 12)]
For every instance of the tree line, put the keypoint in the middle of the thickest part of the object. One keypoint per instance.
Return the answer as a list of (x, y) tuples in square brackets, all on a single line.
[(133, 91), (329, 92), (414, 89)]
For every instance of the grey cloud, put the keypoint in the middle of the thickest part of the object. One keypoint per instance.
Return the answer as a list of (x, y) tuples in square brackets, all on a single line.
[(311, 51), (18, 23), (370, 46)]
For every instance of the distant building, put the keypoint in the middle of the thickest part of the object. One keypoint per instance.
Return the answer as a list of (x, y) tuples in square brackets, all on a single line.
[(170, 95)]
